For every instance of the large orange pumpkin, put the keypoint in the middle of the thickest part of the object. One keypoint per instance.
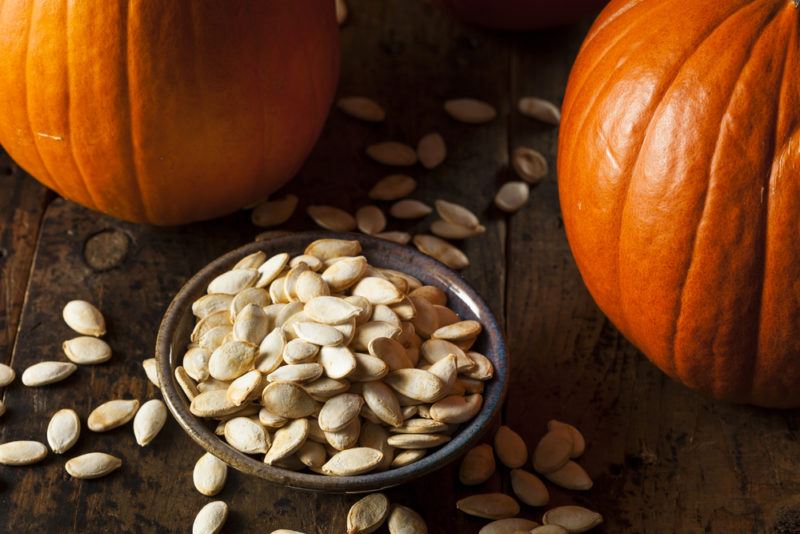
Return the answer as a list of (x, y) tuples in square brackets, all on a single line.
[(679, 177), (165, 111)]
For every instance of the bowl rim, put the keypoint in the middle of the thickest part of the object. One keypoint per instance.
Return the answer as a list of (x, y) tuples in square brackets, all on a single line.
[(198, 430)]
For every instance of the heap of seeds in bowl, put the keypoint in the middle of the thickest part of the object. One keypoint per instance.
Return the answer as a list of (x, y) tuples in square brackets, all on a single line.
[(325, 362)]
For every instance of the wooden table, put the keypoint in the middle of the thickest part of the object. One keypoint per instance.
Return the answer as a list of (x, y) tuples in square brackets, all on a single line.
[(663, 458)]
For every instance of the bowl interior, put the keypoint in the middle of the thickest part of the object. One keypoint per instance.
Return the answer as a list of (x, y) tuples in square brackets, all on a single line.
[(178, 323)]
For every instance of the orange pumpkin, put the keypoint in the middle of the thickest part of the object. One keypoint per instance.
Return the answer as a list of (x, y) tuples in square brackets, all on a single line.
[(679, 178), (165, 111)]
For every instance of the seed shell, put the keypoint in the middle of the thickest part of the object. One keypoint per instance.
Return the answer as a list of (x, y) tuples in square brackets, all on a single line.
[(489, 505), (512, 196), (470, 110), (510, 447), (354, 461), (361, 107), (539, 109), (529, 164), (367, 514), (477, 466), (332, 218), (7, 375), (404, 520), (63, 430), (45, 373), (92, 465), (574, 519), (210, 518), (529, 488), (392, 153), (209, 475), (87, 350), (431, 150), (274, 212), (84, 318), (22, 452)]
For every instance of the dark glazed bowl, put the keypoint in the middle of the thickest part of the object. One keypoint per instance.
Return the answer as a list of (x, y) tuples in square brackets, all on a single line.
[(177, 323)]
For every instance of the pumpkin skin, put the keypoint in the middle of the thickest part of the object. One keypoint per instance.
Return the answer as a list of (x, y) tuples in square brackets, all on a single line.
[(679, 182), (522, 14), (165, 111)]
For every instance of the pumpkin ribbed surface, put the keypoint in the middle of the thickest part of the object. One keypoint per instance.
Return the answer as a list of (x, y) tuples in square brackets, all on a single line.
[(679, 179)]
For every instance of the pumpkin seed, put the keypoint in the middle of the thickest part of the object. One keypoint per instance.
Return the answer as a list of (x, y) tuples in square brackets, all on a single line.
[(404, 520), (510, 447), (383, 402), (578, 442), (432, 294), (151, 370), (301, 372), (353, 461), (408, 456), (149, 421), (332, 218), (288, 400), (212, 384), (571, 476), (330, 310), (251, 261), (489, 505), (392, 153), (417, 441), (549, 529), (92, 465), (212, 403), (186, 383), (7, 375), (374, 435), (2, 407), (252, 295), (247, 436), (338, 411), (401, 238), (529, 488), (361, 107), (433, 350), (233, 281), (368, 368), (338, 362), (478, 466), (393, 187), (539, 109), (372, 330), (270, 269), (312, 454), (483, 370), (458, 331), (318, 334), (470, 110), (346, 437), (309, 286), (421, 426), (416, 384), (326, 249), (341, 18), (22, 452), (445, 369), (210, 518), (574, 519), (313, 263), (391, 352), (457, 409), (299, 351), (370, 220), (510, 525), (449, 230), (456, 214), (287, 441), (45, 373), (409, 209), (431, 150), (195, 362), (529, 164), (445, 316), (441, 250), (270, 351), (553, 451), (512, 196), (274, 212), (87, 350), (368, 514), (377, 290), (251, 325), (209, 475), (112, 414), (84, 318), (343, 274), (209, 304), (231, 360)]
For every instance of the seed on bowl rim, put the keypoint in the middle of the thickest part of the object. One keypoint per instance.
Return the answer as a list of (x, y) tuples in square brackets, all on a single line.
[(392, 187), (417, 441), (328, 248), (233, 281), (354, 461)]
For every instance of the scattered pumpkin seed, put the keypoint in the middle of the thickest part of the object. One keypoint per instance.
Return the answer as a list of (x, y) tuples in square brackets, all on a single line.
[(510, 447), (510, 525), (441, 250), (489, 505), (393, 187), (361, 107), (45, 373), (84, 318), (549, 529), (539, 109), (7, 375), (392, 153), (578, 442), (529, 164), (553, 451), (456, 214), (409, 209), (470, 110), (151, 370), (574, 519), (368, 514), (370, 220), (512, 196), (210, 518), (529, 488), (87, 350), (92, 465), (112, 414), (571, 476), (274, 212), (331, 218), (403, 520), (209, 475), (22, 452), (431, 150), (63, 430), (149, 421), (478, 465)]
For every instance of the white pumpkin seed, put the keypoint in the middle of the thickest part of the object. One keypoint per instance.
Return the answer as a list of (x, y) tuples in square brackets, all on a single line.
[(332, 218), (441, 250), (433, 350), (330, 310), (22, 452), (7, 375), (574, 519), (578, 442), (274, 212), (449, 230), (510, 525), (288, 400), (195, 362), (45, 373), (209, 475), (92, 465), (539, 109), (374, 435), (326, 249), (416, 383), (512, 196), (571, 476), (210, 518), (392, 153), (318, 334), (446, 369), (445, 315), (212, 403), (529, 488), (456, 408), (84, 318), (470, 110), (270, 420), (251, 261), (372, 330), (87, 350), (401, 238), (391, 352), (404, 520), (431, 150), (309, 286), (247, 436), (251, 325), (393, 187), (338, 411), (231, 360), (549, 529), (361, 107), (368, 514), (343, 274), (209, 304), (270, 269), (458, 331), (270, 351), (489, 505), (299, 351), (553, 451), (301, 372), (409, 209), (529, 164), (149, 421), (456, 214), (151, 370), (368, 368), (421, 426), (233, 281), (353, 461), (477, 466), (287, 441), (417, 441), (112, 414), (186, 383), (483, 370), (510, 447), (370, 220), (346, 437), (312, 454), (432, 294)]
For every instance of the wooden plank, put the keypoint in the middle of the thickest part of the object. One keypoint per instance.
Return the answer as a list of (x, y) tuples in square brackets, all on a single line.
[(390, 50), (22, 204), (663, 458)]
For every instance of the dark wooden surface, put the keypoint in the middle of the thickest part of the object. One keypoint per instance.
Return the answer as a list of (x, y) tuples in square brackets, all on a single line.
[(664, 459)]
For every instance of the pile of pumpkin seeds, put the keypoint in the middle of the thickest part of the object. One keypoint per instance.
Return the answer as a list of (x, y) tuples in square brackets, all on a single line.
[(325, 362), (454, 222), (64, 427)]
